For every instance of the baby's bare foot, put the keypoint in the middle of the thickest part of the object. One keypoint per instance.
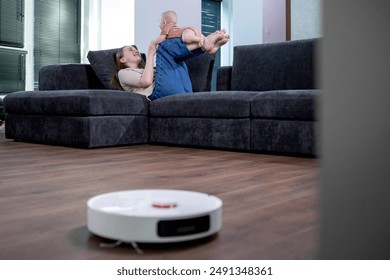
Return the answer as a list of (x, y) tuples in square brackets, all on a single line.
[(210, 42), (219, 43)]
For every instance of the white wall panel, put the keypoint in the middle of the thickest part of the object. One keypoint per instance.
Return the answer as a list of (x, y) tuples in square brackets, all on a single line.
[(148, 13)]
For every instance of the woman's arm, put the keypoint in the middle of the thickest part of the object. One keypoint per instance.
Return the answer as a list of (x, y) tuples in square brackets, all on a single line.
[(147, 77), (160, 39)]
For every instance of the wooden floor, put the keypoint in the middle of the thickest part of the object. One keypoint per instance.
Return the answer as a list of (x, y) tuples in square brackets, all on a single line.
[(269, 212)]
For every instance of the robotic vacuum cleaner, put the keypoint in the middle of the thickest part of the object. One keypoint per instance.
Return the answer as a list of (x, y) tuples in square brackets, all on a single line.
[(154, 216)]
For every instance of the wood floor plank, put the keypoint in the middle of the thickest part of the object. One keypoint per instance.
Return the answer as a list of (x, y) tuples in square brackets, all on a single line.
[(270, 208)]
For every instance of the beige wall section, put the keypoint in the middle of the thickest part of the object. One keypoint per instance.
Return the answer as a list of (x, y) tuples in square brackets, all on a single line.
[(274, 21)]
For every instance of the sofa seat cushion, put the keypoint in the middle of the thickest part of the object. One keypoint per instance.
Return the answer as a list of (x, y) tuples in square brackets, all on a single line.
[(76, 102), (287, 104), (204, 105), (78, 131)]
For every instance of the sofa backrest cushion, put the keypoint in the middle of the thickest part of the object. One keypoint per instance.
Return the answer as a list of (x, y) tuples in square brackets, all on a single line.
[(274, 66), (200, 69), (68, 76)]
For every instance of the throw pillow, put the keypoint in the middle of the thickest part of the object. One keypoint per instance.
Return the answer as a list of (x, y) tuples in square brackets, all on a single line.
[(103, 63)]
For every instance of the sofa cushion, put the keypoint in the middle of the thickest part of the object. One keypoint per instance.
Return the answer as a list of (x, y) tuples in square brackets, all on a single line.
[(204, 104), (275, 66), (287, 104), (68, 76), (78, 131), (220, 133), (200, 68), (283, 136), (103, 63), (76, 102)]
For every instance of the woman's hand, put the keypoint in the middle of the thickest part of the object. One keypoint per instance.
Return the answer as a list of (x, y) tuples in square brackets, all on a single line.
[(147, 77), (160, 39), (152, 48)]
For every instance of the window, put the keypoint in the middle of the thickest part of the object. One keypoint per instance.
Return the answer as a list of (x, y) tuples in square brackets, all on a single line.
[(12, 70), (56, 33), (12, 66), (12, 23), (211, 21)]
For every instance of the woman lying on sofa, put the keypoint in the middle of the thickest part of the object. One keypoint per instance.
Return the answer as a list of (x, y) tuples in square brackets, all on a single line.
[(171, 75)]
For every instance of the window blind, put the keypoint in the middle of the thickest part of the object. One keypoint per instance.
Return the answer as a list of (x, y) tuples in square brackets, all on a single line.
[(12, 23), (12, 70), (211, 16), (56, 33)]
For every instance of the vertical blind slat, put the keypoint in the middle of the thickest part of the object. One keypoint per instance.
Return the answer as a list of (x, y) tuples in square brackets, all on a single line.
[(12, 23), (56, 33)]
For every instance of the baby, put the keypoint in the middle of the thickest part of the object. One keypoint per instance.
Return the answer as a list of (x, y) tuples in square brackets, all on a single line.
[(190, 35)]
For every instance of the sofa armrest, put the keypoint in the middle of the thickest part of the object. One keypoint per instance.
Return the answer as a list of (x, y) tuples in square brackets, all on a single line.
[(224, 78), (68, 76)]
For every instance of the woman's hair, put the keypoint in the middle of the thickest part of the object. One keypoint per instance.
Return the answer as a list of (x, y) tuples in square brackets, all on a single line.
[(119, 65)]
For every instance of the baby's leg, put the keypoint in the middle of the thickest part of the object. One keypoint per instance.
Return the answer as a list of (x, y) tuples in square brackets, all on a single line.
[(189, 36)]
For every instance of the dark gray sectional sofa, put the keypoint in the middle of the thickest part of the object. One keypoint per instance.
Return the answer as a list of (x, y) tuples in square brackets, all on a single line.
[(265, 102)]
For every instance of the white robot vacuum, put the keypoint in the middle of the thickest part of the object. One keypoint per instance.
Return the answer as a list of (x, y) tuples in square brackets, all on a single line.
[(154, 216)]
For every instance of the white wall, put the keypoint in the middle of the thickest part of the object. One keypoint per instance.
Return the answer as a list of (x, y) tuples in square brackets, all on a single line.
[(114, 23), (117, 23), (148, 14), (243, 21), (29, 44), (106, 24), (90, 27), (306, 19)]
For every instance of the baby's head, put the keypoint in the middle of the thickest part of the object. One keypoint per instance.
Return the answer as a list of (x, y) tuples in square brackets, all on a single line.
[(168, 17)]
